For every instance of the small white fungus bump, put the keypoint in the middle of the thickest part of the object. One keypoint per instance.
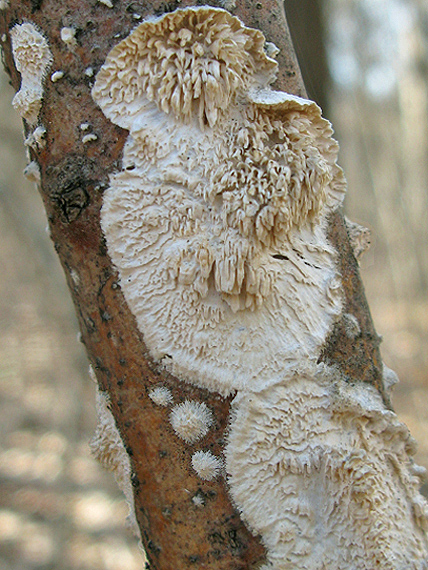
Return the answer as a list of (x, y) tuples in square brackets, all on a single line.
[(107, 3), (36, 140), (198, 500), (89, 138), (352, 326), (32, 172), (56, 76), (68, 36), (4, 4), (191, 420), (207, 465), (161, 396), (89, 72)]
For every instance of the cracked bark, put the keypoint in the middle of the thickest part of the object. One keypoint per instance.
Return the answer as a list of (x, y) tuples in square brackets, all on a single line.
[(175, 532)]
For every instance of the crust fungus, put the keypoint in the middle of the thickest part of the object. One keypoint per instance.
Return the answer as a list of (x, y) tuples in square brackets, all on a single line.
[(321, 470), (217, 226), (217, 222), (107, 447), (32, 58)]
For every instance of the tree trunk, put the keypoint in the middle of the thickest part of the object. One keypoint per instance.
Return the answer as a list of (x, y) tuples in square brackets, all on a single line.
[(186, 519)]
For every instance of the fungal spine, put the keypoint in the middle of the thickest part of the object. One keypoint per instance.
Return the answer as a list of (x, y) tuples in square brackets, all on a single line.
[(32, 58), (217, 226)]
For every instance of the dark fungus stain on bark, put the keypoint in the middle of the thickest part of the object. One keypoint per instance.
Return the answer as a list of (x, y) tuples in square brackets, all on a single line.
[(70, 186)]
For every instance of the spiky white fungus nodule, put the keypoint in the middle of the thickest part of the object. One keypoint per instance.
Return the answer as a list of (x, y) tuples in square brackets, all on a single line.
[(89, 138), (207, 465), (191, 420), (107, 3), (161, 395), (56, 76), (36, 139), (32, 172), (217, 226), (390, 378), (352, 326), (359, 237), (228, 4), (198, 500), (84, 126), (32, 58), (89, 71), (68, 36)]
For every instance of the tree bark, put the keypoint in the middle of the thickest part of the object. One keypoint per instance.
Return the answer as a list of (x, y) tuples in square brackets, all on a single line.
[(175, 532)]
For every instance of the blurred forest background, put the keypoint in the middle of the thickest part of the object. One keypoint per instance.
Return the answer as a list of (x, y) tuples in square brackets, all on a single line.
[(366, 63)]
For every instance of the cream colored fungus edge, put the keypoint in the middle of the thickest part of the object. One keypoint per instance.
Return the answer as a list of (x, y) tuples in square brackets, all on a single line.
[(217, 226)]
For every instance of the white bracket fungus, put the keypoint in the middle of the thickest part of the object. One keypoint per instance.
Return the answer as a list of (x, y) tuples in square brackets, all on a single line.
[(32, 58), (217, 226)]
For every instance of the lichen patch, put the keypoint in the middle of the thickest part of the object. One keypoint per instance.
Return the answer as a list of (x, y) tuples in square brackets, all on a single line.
[(32, 58)]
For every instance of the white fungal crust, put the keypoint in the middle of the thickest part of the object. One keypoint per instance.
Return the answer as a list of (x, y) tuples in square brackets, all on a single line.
[(217, 222), (217, 226), (207, 465), (320, 469), (32, 58), (191, 420), (107, 447), (161, 396)]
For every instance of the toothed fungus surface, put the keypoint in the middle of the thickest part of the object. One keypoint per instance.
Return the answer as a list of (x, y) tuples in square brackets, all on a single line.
[(321, 470), (32, 58), (207, 465), (217, 221), (191, 420), (217, 225)]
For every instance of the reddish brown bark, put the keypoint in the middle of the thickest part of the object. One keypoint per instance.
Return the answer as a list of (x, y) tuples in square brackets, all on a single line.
[(176, 533)]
